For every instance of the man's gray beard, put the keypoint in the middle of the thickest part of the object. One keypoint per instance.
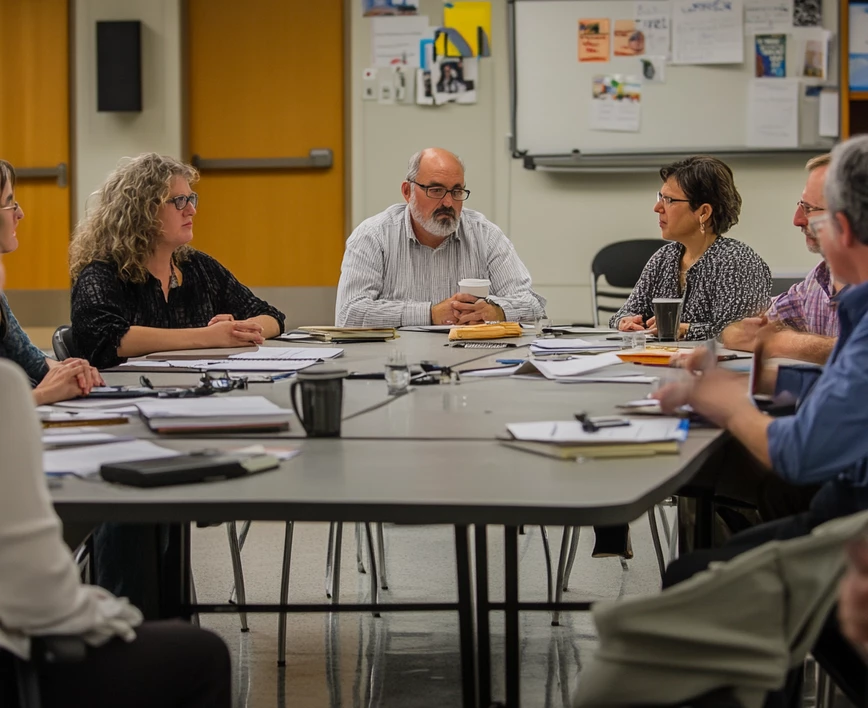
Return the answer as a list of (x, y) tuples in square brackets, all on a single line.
[(432, 225)]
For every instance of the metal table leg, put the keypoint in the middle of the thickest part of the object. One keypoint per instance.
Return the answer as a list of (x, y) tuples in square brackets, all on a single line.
[(465, 617), (513, 663)]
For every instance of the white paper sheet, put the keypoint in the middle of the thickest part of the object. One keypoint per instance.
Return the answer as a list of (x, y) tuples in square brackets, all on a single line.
[(829, 114), (86, 416), (654, 20), (768, 16), (773, 113), (426, 328), (395, 40), (234, 406), (86, 460), (586, 330), (492, 372), (570, 431), (114, 405), (572, 344), (707, 32), (297, 353), (572, 367), (290, 336), (629, 379), (71, 437), (250, 365), (148, 362)]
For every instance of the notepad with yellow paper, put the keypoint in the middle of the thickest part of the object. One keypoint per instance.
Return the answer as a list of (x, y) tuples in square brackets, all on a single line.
[(492, 330), (569, 440)]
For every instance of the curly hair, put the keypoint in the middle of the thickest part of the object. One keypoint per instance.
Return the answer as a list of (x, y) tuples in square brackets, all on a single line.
[(707, 180), (123, 226)]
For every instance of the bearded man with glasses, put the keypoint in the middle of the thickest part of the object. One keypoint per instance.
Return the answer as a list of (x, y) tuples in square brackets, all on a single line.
[(402, 266)]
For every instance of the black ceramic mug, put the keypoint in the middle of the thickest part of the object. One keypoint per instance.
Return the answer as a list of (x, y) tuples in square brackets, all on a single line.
[(322, 398)]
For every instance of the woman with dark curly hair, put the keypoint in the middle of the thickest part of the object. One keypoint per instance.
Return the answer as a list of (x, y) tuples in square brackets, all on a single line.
[(139, 287), (721, 280)]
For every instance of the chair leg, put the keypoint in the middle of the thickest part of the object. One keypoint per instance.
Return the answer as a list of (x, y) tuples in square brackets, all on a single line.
[(27, 681), (284, 594), (655, 537), (381, 547), (336, 563), (372, 559), (330, 554), (237, 570), (547, 551), (242, 539), (624, 565), (574, 546), (664, 522), (562, 567), (194, 599), (360, 564)]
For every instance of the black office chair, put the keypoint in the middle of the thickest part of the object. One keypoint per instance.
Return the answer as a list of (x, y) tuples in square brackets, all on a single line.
[(780, 284), (61, 342), (621, 264), (43, 651)]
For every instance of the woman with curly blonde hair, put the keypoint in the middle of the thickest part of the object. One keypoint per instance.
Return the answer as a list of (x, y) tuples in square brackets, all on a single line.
[(139, 287)]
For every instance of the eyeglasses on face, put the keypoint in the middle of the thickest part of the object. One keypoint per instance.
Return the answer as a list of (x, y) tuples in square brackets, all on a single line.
[(15, 206), (667, 200), (808, 209), (182, 200), (435, 192), (819, 225)]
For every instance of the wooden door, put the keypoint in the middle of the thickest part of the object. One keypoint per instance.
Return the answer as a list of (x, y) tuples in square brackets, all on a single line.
[(266, 81), (34, 133)]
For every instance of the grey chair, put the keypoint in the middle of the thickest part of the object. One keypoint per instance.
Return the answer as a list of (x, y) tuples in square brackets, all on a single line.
[(621, 265), (61, 343)]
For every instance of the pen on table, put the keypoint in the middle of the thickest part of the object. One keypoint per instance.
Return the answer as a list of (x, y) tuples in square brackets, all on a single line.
[(278, 377), (510, 362)]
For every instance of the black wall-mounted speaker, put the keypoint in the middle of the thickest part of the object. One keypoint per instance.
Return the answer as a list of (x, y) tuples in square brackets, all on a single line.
[(119, 66)]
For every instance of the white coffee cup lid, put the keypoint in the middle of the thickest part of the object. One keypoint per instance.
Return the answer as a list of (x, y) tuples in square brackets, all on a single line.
[(474, 282)]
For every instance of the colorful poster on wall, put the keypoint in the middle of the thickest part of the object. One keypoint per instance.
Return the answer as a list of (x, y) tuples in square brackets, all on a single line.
[(378, 8), (594, 40), (771, 55), (469, 25), (616, 103), (629, 41)]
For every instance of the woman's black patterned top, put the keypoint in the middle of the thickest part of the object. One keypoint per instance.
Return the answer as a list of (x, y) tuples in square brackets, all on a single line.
[(728, 283), (104, 307)]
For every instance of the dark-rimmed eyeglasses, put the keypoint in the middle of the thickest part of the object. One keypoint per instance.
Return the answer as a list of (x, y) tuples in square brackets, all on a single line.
[(667, 200), (436, 192), (182, 200), (808, 209)]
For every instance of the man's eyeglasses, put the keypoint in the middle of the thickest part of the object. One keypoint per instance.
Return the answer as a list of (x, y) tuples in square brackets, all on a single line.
[(667, 200), (434, 192), (182, 200), (819, 225), (14, 207), (808, 209)]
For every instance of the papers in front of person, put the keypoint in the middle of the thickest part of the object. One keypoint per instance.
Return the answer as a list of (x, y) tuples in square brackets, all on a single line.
[(72, 437), (85, 461), (572, 431), (570, 367), (261, 364), (625, 379), (287, 353), (565, 346), (492, 372), (569, 329), (349, 334), (426, 328), (51, 417), (214, 414)]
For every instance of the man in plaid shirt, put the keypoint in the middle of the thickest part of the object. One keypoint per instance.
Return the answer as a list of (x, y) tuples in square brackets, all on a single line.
[(803, 322)]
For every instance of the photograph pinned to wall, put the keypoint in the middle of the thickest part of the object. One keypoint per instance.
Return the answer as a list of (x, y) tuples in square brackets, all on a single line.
[(808, 13), (816, 63), (653, 20), (379, 8), (767, 16), (629, 41), (653, 69), (616, 103), (771, 55), (466, 30), (594, 40), (454, 80), (369, 85), (405, 85)]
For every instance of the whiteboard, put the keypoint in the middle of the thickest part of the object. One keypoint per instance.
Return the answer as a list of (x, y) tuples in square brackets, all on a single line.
[(697, 109)]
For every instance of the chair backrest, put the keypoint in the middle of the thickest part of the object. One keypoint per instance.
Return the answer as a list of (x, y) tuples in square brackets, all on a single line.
[(780, 284), (621, 265), (61, 342)]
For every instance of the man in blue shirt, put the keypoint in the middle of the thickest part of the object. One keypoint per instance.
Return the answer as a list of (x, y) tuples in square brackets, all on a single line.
[(824, 443)]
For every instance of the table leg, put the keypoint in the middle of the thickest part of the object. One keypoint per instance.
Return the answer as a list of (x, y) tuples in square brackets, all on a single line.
[(465, 616), (175, 573), (513, 664), (483, 617)]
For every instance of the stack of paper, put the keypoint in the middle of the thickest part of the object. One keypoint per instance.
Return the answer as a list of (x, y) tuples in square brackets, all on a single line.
[(73, 437), (209, 414), (287, 353), (568, 346), (350, 334), (556, 370), (85, 461), (568, 439), (54, 418)]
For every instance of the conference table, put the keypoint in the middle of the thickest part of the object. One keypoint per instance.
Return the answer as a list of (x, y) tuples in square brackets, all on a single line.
[(429, 456)]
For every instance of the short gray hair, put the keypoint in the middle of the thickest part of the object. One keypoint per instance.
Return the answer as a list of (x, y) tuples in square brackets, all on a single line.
[(416, 163), (846, 187)]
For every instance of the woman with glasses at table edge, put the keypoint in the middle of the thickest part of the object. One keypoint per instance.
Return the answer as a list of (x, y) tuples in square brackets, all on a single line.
[(721, 280), (139, 287), (52, 380)]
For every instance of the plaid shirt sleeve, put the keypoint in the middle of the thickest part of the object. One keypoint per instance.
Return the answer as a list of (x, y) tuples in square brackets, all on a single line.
[(788, 308)]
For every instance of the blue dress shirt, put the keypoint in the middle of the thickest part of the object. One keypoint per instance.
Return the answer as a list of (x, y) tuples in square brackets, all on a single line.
[(826, 441)]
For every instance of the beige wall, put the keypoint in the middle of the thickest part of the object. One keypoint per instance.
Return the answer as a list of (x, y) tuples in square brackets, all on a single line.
[(101, 139), (557, 221)]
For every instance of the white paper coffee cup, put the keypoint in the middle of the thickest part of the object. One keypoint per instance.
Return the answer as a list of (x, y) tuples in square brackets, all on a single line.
[(477, 287)]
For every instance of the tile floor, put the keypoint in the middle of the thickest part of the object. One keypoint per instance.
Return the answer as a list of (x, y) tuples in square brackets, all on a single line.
[(406, 660)]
